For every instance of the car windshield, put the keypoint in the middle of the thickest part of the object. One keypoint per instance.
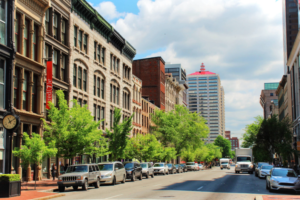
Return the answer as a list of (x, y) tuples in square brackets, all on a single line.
[(182, 165), (106, 167), (77, 169), (224, 163), (190, 163), (266, 167), (158, 165), (144, 165), (169, 165), (243, 159), (284, 172), (128, 165), (260, 164), (176, 165)]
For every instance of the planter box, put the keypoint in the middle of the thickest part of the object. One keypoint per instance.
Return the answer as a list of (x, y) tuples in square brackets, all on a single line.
[(10, 189)]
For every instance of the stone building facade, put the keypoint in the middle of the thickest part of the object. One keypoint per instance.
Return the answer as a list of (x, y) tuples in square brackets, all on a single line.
[(29, 73), (137, 105), (174, 92)]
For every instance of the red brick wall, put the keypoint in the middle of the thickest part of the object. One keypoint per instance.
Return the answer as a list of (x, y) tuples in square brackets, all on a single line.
[(149, 71)]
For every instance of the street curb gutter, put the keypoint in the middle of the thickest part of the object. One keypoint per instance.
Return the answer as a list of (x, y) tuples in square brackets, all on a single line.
[(50, 197), (258, 198)]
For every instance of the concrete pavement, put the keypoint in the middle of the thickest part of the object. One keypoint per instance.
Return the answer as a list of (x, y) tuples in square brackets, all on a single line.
[(208, 184)]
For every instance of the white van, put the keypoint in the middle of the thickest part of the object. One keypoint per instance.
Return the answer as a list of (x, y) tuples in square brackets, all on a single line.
[(224, 163)]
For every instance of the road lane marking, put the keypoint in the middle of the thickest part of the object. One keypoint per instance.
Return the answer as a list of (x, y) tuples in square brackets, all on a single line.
[(113, 196), (200, 188)]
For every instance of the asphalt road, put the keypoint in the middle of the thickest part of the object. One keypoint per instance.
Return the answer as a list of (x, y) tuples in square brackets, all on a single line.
[(207, 184)]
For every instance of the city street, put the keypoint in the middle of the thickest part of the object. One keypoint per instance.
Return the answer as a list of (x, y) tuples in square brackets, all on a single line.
[(207, 184)]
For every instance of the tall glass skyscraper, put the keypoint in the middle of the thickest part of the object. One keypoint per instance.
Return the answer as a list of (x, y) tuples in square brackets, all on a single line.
[(206, 97)]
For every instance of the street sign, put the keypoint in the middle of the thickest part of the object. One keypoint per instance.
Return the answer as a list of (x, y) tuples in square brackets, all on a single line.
[(49, 84)]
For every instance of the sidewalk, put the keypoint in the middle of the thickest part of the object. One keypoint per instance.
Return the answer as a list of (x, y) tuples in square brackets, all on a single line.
[(44, 190), (277, 197)]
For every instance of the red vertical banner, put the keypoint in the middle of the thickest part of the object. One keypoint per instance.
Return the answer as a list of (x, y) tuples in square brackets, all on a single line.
[(49, 84)]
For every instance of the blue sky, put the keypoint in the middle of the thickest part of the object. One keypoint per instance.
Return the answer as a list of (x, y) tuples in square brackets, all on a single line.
[(241, 40)]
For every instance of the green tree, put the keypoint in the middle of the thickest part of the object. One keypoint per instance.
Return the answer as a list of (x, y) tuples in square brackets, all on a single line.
[(213, 152), (251, 130), (232, 155), (179, 128), (225, 146), (187, 155), (74, 130), (201, 153), (34, 150), (119, 136)]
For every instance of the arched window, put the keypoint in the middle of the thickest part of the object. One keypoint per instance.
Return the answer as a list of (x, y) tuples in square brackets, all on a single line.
[(99, 81), (80, 74), (114, 92), (126, 99)]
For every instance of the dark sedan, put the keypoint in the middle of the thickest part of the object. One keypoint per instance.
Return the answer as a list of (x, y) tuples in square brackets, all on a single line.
[(179, 169), (184, 167), (172, 168), (133, 171)]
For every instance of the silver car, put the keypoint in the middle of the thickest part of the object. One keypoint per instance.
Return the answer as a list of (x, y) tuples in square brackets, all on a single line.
[(161, 168), (259, 164), (264, 171), (282, 179), (192, 166), (112, 172), (80, 175), (147, 169)]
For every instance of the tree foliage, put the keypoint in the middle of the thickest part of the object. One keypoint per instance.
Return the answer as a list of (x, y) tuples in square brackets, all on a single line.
[(251, 130), (119, 136), (225, 146), (74, 130), (179, 128), (34, 150)]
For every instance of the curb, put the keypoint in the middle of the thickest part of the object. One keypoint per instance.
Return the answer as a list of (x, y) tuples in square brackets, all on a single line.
[(258, 197), (50, 197)]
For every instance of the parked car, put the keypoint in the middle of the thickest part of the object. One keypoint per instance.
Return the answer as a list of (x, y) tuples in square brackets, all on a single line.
[(133, 170), (80, 175), (112, 172), (201, 167), (147, 169), (172, 168), (161, 168), (184, 167), (264, 171), (257, 167), (282, 179), (192, 166), (179, 168)]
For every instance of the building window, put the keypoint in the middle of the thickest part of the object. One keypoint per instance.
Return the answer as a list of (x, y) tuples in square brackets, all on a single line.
[(80, 40), (85, 43), (74, 75), (25, 92), (84, 80), (34, 94), (94, 85), (16, 88), (63, 31), (95, 50), (47, 54), (95, 112), (26, 39), (98, 87), (79, 77), (117, 96), (54, 67), (98, 53), (63, 68), (2, 84), (102, 118), (47, 20), (75, 36), (111, 61), (34, 43), (118, 63), (55, 25), (3, 22), (103, 56), (98, 113), (17, 32), (271, 94), (102, 88)]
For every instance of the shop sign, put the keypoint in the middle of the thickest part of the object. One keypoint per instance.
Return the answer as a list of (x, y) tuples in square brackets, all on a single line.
[(49, 84)]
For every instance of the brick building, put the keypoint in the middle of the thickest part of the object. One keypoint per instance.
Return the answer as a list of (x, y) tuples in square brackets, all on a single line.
[(268, 94), (227, 135), (234, 143), (152, 72)]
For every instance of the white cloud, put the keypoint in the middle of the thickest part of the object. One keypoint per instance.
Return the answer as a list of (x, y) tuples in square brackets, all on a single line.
[(241, 40), (108, 10)]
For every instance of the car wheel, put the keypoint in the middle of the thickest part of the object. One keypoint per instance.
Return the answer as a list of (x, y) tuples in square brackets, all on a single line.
[(97, 184), (141, 177), (61, 188), (147, 176), (85, 185), (124, 179), (75, 187), (270, 188), (114, 181), (133, 177)]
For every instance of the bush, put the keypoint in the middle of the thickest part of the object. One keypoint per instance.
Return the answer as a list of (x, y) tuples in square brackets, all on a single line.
[(9, 177)]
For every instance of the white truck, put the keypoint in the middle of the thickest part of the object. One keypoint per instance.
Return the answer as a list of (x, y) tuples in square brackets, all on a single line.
[(244, 160), (224, 163)]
